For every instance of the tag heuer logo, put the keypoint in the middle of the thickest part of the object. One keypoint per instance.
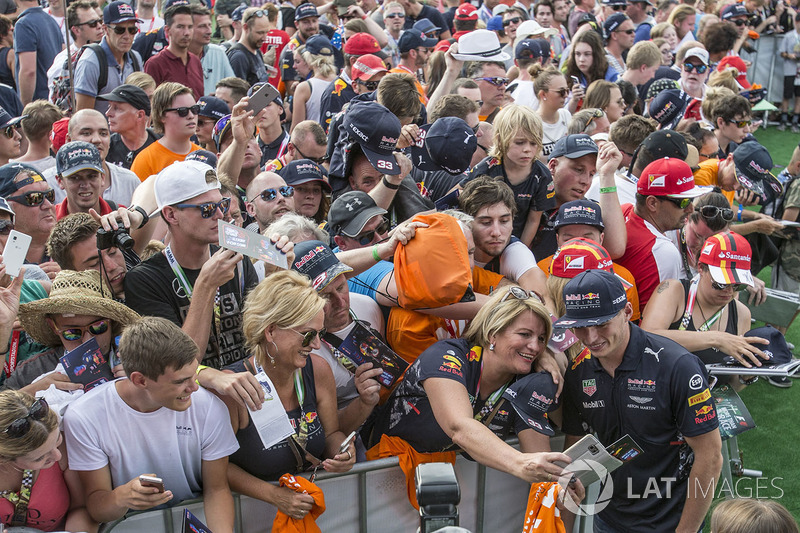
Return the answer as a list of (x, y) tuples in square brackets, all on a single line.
[(589, 387)]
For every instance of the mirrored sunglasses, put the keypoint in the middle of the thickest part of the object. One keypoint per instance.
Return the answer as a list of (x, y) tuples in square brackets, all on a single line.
[(737, 287), (287, 191), (701, 69), (308, 336), (497, 81), (712, 211), (34, 198), (75, 334), (208, 209)]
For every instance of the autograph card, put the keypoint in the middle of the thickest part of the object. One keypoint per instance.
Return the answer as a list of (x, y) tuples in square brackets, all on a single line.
[(251, 244)]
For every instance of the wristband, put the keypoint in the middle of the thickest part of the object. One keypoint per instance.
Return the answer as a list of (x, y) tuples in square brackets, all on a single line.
[(375, 255), (141, 211), (200, 368), (608, 189), (364, 17), (390, 185), (739, 215)]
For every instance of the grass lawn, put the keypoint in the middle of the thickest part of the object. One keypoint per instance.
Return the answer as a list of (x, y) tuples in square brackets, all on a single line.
[(768, 446)]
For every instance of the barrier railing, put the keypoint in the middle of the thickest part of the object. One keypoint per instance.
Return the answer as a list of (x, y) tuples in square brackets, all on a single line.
[(767, 66)]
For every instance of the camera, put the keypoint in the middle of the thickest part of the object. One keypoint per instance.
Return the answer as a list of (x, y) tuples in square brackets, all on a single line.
[(438, 495), (118, 238)]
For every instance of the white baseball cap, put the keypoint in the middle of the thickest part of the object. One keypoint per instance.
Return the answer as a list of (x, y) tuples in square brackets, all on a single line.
[(183, 180), (532, 28)]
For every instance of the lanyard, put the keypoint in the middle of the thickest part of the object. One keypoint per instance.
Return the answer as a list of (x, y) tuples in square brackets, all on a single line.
[(687, 314), (491, 400), (20, 499), (284, 144), (13, 350)]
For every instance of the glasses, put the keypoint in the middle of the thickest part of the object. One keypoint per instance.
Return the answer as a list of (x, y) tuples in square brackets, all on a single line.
[(626, 32), (10, 130), (712, 211), (708, 156), (618, 8), (497, 81), (737, 287), (317, 160), (683, 203), (119, 30), (255, 14), (739, 123), (208, 209), (6, 226), (508, 22), (34, 198), (701, 69), (287, 191), (562, 92), (738, 22), (479, 102), (20, 427), (91, 23), (368, 236), (183, 112), (76, 334), (518, 293), (598, 113), (394, 16), (370, 85), (308, 336)]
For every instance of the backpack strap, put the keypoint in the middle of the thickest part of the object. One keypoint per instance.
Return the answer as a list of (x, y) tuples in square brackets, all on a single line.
[(102, 60)]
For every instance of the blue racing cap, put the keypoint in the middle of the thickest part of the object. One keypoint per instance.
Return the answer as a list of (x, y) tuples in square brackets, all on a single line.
[(7, 120), (668, 106), (238, 13), (529, 49), (579, 212), (413, 39), (204, 156), (592, 298), (448, 144), (532, 397), (117, 12), (213, 107), (319, 45), (305, 11), (76, 156), (302, 171), (495, 23), (574, 146)]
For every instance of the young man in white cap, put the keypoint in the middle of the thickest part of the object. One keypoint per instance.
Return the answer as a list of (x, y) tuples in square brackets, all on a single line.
[(194, 284)]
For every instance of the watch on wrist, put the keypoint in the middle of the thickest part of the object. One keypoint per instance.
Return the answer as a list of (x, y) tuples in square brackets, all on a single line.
[(141, 211)]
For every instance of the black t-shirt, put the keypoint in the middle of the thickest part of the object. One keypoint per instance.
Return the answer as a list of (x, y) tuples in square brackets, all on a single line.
[(247, 65), (536, 193), (152, 289), (408, 413), (658, 395), (272, 150), (120, 155), (435, 184), (335, 95), (429, 13)]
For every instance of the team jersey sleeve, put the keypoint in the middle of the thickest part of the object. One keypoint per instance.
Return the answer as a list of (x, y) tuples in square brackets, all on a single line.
[(692, 401)]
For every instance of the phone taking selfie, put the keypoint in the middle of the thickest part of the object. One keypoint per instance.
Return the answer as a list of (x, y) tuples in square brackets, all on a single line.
[(15, 251), (152, 481), (264, 96)]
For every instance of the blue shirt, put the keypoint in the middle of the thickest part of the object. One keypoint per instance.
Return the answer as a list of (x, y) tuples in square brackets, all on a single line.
[(215, 67), (87, 73), (36, 31)]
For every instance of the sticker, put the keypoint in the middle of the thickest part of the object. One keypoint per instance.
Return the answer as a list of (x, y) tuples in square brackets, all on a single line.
[(699, 397)]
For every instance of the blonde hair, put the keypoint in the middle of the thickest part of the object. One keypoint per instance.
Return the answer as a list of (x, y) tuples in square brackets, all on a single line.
[(598, 94), (726, 78), (746, 515), (142, 80), (323, 66), (659, 29), (680, 13), (494, 317), (511, 121), (643, 53), (162, 100), (542, 76), (15, 404), (285, 299)]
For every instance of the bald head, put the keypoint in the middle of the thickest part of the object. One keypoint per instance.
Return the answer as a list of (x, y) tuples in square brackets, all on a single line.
[(90, 126), (81, 117), (265, 201)]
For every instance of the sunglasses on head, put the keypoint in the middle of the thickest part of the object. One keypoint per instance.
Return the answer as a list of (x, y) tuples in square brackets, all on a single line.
[(34, 198), (712, 211), (6, 226), (119, 30), (518, 293), (598, 113), (562, 92), (9, 130), (208, 209), (497, 81), (91, 23), (737, 287), (739, 123), (370, 85), (308, 336), (20, 427), (75, 334), (394, 16), (287, 191), (183, 112), (701, 69), (508, 22), (683, 203), (255, 14), (368, 236)]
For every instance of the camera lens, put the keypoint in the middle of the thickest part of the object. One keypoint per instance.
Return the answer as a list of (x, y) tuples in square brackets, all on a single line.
[(122, 240)]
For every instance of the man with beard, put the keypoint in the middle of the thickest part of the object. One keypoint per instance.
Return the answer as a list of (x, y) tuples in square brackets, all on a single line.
[(245, 56), (694, 72), (175, 63)]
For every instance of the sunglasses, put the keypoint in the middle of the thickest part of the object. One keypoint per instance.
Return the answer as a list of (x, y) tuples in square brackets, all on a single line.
[(518, 293), (739, 123), (20, 427), (308, 336), (712, 211), (6, 226), (394, 16), (255, 14), (9, 131), (208, 209), (737, 287), (119, 30), (508, 22), (708, 156), (367, 237), (287, 191), (560, 92), (317, 160), (497, 81), (618, 8), (738, 22), (91, 23), (626, 32), (683, 203), (34, 198), (183, 112), (370, 85), (75, 334), (701, 69), (598, 113), (476, 128)]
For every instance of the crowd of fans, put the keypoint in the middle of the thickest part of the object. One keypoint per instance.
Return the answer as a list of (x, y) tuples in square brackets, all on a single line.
[(547, 211)]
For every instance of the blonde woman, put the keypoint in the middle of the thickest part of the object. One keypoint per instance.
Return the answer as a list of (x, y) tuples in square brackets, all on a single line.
[(551, 90), (317, 53)]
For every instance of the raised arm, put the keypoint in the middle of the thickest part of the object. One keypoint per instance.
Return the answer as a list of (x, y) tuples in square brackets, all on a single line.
[(616, 236)]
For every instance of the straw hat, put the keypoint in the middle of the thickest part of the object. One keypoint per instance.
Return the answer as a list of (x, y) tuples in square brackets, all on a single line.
[(76, 293)]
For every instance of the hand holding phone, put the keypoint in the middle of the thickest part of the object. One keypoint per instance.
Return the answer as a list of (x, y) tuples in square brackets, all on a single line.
[(152, 481), (346, 442), (260, 99), (14, 253)]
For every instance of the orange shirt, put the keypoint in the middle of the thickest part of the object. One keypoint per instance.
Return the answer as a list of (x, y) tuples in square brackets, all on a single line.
[(708, 174), (410, 333), (155, 158), (403, 70)]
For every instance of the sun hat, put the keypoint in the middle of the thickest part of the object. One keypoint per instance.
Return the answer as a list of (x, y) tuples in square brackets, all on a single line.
[(480, 45), (73, 293), (531, 27)]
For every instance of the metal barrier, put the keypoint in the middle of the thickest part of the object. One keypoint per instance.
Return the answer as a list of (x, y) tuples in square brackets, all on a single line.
[(767, 66), (372, 497)]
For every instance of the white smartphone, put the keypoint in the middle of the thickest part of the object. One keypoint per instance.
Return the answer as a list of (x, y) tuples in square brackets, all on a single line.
[(15, 251), (346, 442), (262, 98)]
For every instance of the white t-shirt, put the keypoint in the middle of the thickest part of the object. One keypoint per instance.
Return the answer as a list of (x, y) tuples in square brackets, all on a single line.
[(123, 183), (101, 429), (515, 260), (626, 188), (524, 94), (366, 310), (553, 132), (153, 23)]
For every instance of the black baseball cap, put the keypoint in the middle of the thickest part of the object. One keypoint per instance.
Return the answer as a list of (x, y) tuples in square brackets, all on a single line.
[(448, 144), (128, 94), (119, 11), (668, 106), (204, 156), (302, 171), (614, 21), (10, 171), (528, 49), (733, 10), (592, 298), (777, 349), (238, 13), (532, 397), (213, 107), (414, 38), (376, 130), (753, 166), (574, 146), (666, 143), (319, 45), (305, 11), (579, 212), (7, 120), (350, 212), (316, 261), (76, 156)]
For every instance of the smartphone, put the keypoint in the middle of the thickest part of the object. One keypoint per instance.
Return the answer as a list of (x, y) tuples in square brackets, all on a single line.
[(575, 81), (15, 251), (262, 98), (346, 442), (152, 481)]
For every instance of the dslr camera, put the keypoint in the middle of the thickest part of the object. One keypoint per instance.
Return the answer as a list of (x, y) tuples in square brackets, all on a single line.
[(118, 238)]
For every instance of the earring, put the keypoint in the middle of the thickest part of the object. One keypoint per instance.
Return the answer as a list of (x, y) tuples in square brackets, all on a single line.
[(271, 359), (491, 347)]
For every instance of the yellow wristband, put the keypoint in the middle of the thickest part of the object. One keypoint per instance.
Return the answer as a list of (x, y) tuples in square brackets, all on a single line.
[(200, 368)]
